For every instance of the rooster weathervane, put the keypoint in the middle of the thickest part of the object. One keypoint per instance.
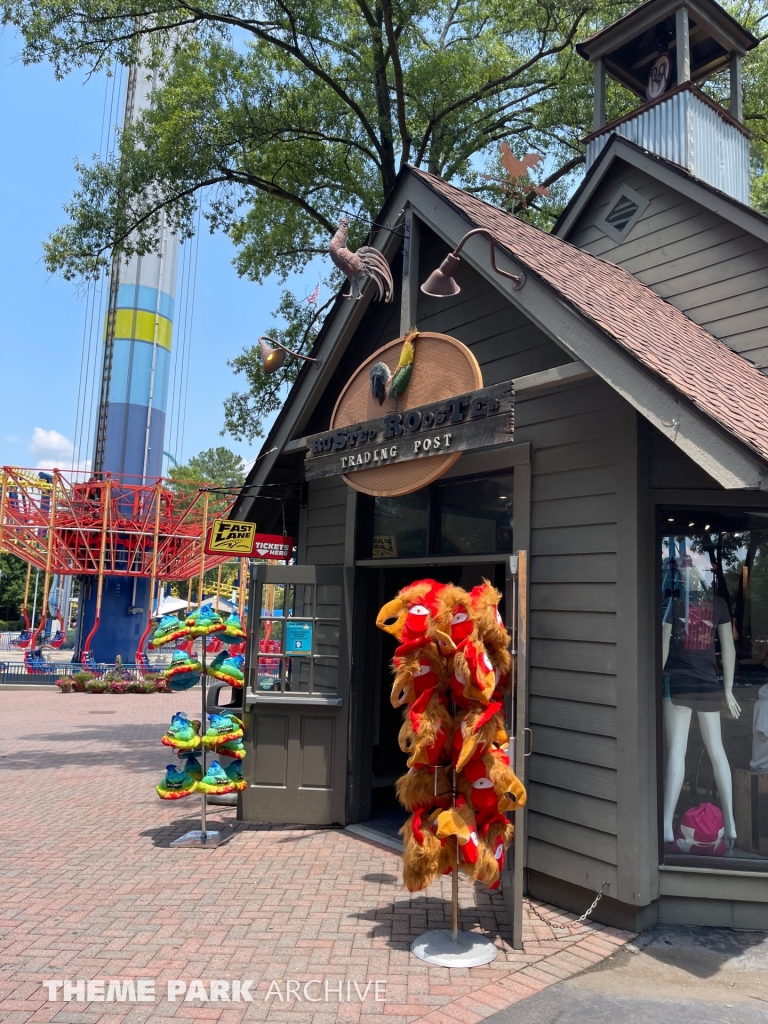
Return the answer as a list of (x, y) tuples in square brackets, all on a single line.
[(358, 266)]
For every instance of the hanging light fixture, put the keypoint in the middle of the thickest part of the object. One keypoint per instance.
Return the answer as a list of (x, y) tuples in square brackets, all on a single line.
[(272, 358), (441, 283)]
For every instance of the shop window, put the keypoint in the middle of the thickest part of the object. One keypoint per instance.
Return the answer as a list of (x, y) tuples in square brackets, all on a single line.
[(714, 653), (475, 516), (463, 516), (401, 526)]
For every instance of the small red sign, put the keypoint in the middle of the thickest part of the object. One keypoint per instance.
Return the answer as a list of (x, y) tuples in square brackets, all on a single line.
[(272, 545)]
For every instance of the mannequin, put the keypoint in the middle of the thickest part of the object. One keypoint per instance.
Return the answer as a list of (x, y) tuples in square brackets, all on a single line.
[(690, 684)]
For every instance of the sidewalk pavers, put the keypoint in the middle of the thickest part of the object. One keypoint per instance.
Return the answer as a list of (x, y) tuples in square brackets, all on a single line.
[(92, 890)]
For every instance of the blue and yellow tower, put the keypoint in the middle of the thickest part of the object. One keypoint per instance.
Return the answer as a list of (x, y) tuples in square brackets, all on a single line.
[(138, 334)]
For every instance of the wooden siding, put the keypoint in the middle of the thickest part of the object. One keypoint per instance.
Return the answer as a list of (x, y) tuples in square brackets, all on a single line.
[(713, 271), (326, 518), (579, 438), (671, 469), (578, 444), (503, 340)]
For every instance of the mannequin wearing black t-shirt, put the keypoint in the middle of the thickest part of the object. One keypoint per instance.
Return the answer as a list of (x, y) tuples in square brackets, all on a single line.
[(691, 684)]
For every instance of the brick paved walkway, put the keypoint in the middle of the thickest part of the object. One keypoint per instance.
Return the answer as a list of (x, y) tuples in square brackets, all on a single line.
[(91, 890)]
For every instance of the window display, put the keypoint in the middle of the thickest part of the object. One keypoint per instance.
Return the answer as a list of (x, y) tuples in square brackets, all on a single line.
[(714, 649)]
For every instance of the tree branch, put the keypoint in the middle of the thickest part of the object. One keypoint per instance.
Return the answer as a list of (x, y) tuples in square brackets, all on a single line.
[(397, 68), (496, 83)]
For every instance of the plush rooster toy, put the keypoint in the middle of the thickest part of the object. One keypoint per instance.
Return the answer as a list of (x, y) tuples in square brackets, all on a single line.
[(452, 668)]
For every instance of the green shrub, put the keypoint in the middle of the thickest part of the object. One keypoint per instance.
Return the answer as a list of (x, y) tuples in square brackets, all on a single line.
[(96, 686), (142, 686)]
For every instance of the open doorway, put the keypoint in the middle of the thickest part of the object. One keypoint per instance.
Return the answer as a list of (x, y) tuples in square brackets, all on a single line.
[(387, 762)]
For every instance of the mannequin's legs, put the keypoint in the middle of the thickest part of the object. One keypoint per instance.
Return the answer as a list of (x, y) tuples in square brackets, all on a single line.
[(711, 733), (677, 722)]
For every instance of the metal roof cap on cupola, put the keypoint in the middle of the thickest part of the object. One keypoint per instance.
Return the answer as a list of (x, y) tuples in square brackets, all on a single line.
[(660, 51)]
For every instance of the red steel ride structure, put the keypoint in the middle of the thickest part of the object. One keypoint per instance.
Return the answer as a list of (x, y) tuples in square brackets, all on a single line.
[(107, 526)]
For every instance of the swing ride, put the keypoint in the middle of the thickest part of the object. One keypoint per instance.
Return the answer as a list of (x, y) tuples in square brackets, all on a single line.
[(99, 529)]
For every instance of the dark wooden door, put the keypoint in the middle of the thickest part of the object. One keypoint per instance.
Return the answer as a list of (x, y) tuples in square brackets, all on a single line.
[(297, 696)]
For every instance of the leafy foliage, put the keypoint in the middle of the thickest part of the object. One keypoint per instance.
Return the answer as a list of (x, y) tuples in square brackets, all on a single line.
[(279, 115), (218, 466), (285, 113), (244, 411), (13, 576)]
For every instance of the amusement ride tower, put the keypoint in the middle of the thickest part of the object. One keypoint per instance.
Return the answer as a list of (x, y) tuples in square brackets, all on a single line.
[(116, 526), (131, 416)]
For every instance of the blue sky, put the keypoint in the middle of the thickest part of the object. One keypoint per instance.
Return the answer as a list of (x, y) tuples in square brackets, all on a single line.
[(44, 125)]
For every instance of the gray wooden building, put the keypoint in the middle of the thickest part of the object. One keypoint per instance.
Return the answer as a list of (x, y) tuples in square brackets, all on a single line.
[(637, 479)]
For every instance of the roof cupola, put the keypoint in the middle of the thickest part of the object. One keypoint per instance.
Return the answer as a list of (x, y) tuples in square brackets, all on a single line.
[(661, 51)]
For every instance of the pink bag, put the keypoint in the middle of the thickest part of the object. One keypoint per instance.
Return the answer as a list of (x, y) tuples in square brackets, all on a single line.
[(701, 830)]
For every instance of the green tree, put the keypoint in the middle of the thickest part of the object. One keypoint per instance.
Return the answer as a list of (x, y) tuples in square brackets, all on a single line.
[(287, 111), (13, 575), (218, 466), (13, 578), (278, 115), (282, 114)]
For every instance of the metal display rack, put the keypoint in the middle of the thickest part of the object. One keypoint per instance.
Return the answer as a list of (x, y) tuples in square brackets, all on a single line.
[(204, 838)]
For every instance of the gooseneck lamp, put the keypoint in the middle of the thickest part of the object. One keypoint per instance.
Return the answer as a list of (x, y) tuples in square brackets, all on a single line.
[(272, 358), (441, 283)]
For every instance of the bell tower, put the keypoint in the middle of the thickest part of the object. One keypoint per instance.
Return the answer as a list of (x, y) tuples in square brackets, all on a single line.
[(662, 51)]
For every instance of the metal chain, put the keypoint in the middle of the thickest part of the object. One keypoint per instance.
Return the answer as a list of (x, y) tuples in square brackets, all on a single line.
[(285, 531), (580, 920), (596, 900)]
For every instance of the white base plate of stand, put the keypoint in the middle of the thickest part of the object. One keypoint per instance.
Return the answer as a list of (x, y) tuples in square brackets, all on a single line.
[(472, 949), (195, 838)]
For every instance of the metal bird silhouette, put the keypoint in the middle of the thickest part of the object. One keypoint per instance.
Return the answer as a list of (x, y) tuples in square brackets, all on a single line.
[(385, 384), (358, 266), (517, 168)]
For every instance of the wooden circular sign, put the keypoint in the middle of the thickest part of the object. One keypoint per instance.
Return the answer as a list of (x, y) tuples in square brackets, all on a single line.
[(442, 368)]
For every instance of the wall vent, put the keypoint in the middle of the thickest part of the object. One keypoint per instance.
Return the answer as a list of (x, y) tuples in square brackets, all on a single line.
[(624, 210)]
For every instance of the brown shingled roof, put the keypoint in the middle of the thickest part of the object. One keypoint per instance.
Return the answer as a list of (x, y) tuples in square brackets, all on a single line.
[(716, 380)]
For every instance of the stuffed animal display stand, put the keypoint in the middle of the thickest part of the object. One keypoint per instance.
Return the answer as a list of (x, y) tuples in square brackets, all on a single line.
[(452, 671), (185, 670), (224, 737)]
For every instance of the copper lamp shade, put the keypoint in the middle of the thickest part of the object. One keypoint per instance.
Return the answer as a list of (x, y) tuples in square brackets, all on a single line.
[(271, 358), (441, 283)]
